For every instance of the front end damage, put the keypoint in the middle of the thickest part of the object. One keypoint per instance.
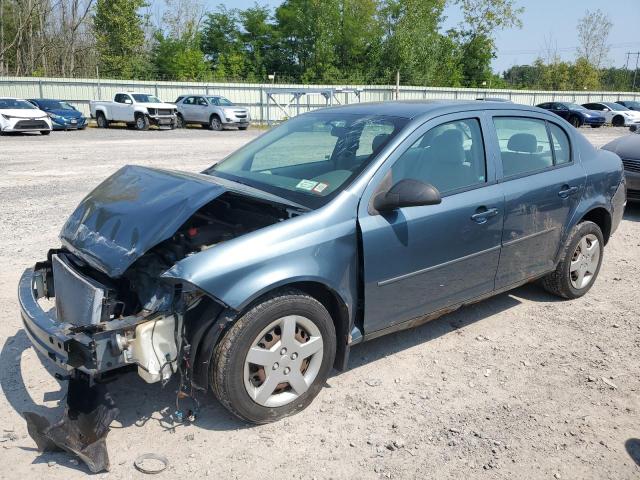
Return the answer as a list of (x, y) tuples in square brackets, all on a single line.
[(100, 306)]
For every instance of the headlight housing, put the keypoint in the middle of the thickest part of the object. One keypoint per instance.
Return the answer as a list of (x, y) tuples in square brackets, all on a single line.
[(152, 111)]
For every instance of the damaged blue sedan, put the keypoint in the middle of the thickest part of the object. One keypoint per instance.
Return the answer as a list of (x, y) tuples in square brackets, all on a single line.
[(254, 278)]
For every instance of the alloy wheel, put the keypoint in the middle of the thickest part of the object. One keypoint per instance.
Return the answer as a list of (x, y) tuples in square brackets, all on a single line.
[(584, 262), (283, 361)]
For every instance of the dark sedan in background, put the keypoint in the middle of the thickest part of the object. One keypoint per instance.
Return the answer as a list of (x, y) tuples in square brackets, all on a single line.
[(630, 104), (575, 114), (64, 116), (628, 149)]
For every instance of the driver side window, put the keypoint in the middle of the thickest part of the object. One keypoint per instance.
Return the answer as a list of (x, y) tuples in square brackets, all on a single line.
[(450, 156)]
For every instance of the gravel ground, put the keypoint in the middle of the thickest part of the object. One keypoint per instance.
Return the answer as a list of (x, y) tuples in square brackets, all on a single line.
[(519, 386)]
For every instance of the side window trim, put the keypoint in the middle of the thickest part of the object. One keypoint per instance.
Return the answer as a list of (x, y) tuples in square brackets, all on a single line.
[(552, 143)]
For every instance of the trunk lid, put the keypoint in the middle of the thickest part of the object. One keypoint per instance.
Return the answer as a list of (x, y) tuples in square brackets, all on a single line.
[(132, 211)]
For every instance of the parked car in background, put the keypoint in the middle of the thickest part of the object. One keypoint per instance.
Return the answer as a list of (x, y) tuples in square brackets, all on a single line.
[(18, 115), (64, 116), (630, 104), (575, 114), (213, 111), (339, 226), (628, 149), (615, 114), (137, 110)]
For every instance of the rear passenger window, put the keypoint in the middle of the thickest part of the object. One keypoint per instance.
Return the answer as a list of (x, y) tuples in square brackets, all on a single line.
[(561, 145), (524, 145)]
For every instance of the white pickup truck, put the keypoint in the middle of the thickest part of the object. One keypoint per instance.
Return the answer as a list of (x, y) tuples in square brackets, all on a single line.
[(137, 110)]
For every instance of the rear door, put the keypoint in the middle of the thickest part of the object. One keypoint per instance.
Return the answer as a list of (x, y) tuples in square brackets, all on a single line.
[(419, 260), (543, 182), (560, 110)]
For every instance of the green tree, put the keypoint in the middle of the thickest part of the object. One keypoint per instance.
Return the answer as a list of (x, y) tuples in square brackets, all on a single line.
[(120, 38), (482, 19), (179, 58), (585, 75), (412, 43)]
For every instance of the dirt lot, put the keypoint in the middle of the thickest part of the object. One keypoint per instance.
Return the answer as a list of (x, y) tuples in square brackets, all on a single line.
[(519, 386)]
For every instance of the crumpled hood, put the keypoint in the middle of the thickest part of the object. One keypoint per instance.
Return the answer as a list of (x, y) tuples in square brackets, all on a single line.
[(133, 210)]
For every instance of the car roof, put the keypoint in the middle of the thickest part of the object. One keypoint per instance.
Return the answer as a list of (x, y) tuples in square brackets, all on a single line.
[(413, 109)]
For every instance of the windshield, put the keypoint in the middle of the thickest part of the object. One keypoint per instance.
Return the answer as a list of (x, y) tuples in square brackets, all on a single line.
[(223, 102), (632, 104), (12, 103), (54, 105), (615, 106), (311, 158), (144, 98)]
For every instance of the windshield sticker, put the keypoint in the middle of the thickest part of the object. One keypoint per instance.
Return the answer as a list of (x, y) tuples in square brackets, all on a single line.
[(306, 185), (320, 187)]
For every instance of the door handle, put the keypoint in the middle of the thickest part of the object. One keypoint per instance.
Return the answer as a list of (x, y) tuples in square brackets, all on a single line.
[(483, 214), (567, 191)]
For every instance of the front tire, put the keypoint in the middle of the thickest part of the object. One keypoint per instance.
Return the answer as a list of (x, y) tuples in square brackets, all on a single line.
[(575, 121), (142, 122), (45, 132), (275, 359), (215, 123), (596, 126), (580, 263), (180, 123), (618, 121)]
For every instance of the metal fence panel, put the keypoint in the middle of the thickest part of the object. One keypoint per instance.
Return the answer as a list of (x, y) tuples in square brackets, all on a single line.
[(253, 96)]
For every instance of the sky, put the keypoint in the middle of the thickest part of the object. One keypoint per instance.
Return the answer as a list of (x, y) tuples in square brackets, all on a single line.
[(543, 21)]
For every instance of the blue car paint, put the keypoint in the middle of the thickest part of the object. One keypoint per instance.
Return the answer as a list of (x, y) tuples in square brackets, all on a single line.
[(305, 248), (62, 119), (587, 117), (388, 270)]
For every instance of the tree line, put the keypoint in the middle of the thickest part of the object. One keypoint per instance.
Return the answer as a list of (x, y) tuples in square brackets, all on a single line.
[(301, 41)]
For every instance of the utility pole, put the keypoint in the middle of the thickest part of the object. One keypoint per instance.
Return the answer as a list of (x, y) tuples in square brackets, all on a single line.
[(635, 72)]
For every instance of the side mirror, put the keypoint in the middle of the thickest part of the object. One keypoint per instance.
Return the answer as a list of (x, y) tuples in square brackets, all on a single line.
[(128, 101), (407, 193), (606, 110)]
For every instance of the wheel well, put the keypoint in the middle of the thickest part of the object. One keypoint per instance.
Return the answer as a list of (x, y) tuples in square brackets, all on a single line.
[(214, 115), (338, 311), (602, 218)]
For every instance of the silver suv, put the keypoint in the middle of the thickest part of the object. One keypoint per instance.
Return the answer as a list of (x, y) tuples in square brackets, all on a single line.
[(213, 111)]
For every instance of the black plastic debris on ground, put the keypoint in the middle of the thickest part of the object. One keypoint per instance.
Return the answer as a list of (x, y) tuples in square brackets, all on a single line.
[(83, 428)]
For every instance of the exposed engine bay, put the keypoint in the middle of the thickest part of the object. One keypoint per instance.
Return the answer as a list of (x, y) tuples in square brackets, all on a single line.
[(104, 324)]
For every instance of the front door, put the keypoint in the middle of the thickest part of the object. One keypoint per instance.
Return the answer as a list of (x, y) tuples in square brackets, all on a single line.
[(418, 260), (542, 185)]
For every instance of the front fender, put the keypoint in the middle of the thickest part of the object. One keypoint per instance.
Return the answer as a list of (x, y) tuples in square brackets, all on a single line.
[(299, 250)]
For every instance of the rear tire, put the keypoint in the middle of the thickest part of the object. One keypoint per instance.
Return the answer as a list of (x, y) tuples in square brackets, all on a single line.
[(243, 128), (596, 126), (578, 268), (575, 121), (618, 121), (101, 120), (45, 132), (274, 329)]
